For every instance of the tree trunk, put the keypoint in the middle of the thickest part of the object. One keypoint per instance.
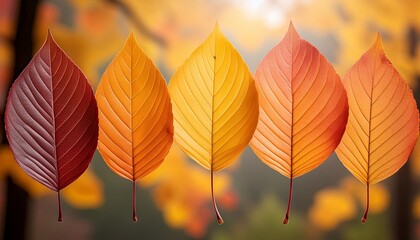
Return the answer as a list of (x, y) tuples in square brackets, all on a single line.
[(404, 186), (17, 198)]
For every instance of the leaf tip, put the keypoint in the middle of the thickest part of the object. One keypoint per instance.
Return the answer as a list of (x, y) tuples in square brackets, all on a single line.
[(131, 38), (291, 24), (216, 28), (378, 46), (291, 32), (49, 36)]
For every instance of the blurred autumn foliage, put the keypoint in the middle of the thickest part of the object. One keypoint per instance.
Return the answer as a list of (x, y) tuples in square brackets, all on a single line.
[(348, 198), (86, 192), (179, 192), (92, 31)]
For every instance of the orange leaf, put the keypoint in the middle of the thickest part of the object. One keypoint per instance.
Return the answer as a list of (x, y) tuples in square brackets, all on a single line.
[(135, 116), (303, 108), (383, 119)]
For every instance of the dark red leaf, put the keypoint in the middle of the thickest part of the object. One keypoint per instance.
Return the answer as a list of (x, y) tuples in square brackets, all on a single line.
[(51, 119)]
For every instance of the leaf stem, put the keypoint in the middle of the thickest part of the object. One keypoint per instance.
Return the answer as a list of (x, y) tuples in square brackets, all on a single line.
[(286, 218), (60, 214), (134, 202), (364, 218), (219, 217)]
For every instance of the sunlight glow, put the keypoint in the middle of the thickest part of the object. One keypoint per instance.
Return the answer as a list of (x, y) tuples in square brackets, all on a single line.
[(272, 12)]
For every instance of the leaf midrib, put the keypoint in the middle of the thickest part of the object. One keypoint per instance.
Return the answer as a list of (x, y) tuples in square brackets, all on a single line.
[(370, 124), (57, 171), (292, 110), (212, 104), (131, 109)]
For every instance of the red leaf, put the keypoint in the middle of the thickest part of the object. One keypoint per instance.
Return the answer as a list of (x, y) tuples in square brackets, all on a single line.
[(51, 119)]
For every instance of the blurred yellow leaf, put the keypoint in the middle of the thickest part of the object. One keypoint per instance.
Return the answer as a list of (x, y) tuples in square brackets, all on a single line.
[(6, 62), (178, 192), (10, 167), (90, 50), (5, 155), (416, 207), (177, 214), (85, 192), (346, 19), (415, 162), (379, 194), (332, 206)]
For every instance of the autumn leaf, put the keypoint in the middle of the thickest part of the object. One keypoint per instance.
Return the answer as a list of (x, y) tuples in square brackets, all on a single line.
[(303, 109), (383, 120), (135, 116), (9, 167), (86, 192), (379, 195), (331, 207), (416, 207), (50, 142), (345, 198), (90, 50), (343, 20), (215, 105), (177, 187)]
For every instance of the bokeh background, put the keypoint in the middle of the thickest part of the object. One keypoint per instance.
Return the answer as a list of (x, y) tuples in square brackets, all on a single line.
[(174, 202)]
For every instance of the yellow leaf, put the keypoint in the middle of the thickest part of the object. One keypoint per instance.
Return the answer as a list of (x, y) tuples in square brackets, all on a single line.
[(416, 207), (9, 166), (332, 206), (215, 105), (379, 194), (5, 155), (415, 162), (383, 120), (177, 214), (178, 192), (85, 192), (135, 117)]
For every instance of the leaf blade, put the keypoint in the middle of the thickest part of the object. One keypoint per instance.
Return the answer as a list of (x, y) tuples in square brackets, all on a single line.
[(135, 116), (51, 143), (303, 108), (215, 105), (383, 121)]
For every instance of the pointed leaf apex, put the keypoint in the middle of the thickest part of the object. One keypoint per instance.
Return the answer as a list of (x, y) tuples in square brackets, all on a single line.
[(291, 32), (49, 40), (378, 46), (291, 24), (131, 41), (131, 38), (131, 35), (216, 28), (49, 35)]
